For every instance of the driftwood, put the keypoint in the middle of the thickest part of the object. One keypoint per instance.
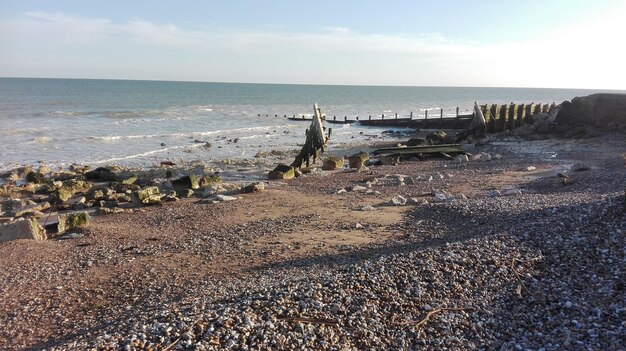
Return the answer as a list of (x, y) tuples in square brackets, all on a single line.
[(315, 141), (421, 149)]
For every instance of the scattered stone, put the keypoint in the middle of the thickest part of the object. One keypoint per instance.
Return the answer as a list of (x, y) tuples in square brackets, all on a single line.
[(253, 188), (579, 167), (358, 188), (461, 158), (186, 182), (36, 177), (397, 201), (358, 160), (22, 229), (341, 191), (73, 221), (130, 180), (512, 192), (530, 168), (70, 236), (333, 163), (148, 196), (391, 160), (358, 226), (282, 172), (368, 208), (101, 174), (494, 193)]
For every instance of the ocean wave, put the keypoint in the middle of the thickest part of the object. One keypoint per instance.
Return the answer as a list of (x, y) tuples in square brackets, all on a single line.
[(231, 132), (144, 154)]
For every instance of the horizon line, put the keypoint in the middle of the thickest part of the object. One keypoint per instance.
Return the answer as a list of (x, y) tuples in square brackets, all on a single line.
[(313, 84)]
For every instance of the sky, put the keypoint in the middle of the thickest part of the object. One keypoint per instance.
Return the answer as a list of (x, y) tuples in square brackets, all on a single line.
[(505, 43)]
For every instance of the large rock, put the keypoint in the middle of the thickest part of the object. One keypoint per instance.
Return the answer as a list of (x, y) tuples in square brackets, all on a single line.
[(332, 163), (282, 172), (186, 182), (253, 188), (596, 109), (148, 196), (358, 160), (101, 174), (71, 187), (26, 229), (72, 221)]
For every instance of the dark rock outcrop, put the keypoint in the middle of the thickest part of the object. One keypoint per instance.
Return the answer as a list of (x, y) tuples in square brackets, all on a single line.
[(598, 109)]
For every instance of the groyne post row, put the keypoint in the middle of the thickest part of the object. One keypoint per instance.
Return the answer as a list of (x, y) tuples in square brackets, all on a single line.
[(511, 116), (315, 141)]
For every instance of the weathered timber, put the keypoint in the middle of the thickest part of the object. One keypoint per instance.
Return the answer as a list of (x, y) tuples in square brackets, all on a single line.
[(315, 141), (422, 149)]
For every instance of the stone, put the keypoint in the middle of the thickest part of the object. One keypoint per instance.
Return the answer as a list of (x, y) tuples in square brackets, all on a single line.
[(73, 221), (530, 168), (148, 196), (397, 201), (205, 181), (596, 109), (461, 158), (34, 208), (511, 192), (358, 160), (436, 138), (415, 141), (358, 226), (333, 163), (494, 193), (186, 182), (185, 193), (23, 229), (221, 197), (358, 188), (36, 177), (579, 167), (368, 208), (282, 172), (253, 188), (71, 187), (392, 160), (101, 174), (129, 181)]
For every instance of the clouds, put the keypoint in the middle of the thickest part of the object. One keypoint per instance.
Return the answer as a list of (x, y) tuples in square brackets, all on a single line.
[(73, 46)]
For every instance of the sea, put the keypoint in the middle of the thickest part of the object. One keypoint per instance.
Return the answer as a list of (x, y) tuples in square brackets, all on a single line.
[(61, 122)]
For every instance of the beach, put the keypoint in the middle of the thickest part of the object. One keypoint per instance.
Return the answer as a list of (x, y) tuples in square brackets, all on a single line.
[(499, 252)]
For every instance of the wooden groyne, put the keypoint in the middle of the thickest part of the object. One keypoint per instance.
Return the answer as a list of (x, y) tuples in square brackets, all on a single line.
[(497, 117)]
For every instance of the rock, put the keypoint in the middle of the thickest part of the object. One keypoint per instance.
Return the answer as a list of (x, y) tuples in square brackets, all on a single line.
[(389, 160), (415, 141), (579, 167), (397, 201), (129, 181), (36, 177), (205, 181), (333, 163), (71, 187), (101, 174), (530, 168), (368, 208), (408, 180), (436, 138), (70, 236), (147, 196), (73, 221), (341, 191), (34, 208), (512, 192), (358, 188), (597, 109), (23, 229), (494, 193), (358, 160), (120, 197), (186, 182), (307, 170), (497, 156), (253, 188), (282, 172), (358, 226), (221, 198), (187, 193), (483, 156), (461, 158)]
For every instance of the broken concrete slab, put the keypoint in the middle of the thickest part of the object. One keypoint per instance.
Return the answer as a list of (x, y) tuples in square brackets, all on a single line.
[(24, 229)]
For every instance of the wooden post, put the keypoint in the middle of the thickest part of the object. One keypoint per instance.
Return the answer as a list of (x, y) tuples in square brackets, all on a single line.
[(411, 117), (440, 118), (504, 115), (369, 117), (537, 109), (521, 113), (396, 115), (510, 124), (383, 116), (493, 116), (544, 108), (457, 111), (530, 109), (334, 118), (426, 119), (330, 132), (345, 118)]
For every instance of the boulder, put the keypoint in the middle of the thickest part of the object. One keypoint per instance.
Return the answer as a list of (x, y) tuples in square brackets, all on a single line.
[(436, 138), (253, 188), (282, 172), (32, 209), (72, 221), (186, 182), (25, 229), (332, 163), (147, 196), (358, 160), (71, 187), (101, 174), (205, 181), (596, 109), (36, 177)]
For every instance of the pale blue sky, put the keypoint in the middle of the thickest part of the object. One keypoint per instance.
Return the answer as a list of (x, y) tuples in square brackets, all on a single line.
[(566, 43)]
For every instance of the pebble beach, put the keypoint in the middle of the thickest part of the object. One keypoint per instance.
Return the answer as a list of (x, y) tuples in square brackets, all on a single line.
[(496, 253)]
